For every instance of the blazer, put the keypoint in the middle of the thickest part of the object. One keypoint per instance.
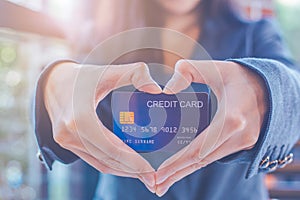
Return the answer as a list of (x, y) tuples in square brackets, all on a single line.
[(256, 45)]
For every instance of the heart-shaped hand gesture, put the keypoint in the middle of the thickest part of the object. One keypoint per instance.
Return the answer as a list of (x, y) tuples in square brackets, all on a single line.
[(236, 125)]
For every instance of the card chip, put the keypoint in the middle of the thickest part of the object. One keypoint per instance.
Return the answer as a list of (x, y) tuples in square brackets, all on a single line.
[(126, 118)]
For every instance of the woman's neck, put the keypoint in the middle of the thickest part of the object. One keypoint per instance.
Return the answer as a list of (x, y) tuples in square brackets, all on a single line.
[(182, 23)]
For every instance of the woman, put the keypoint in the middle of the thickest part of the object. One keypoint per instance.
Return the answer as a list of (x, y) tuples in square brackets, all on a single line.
[(254, 129)]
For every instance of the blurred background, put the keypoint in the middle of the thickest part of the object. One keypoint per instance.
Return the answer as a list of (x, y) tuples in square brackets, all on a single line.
[(29, 42)]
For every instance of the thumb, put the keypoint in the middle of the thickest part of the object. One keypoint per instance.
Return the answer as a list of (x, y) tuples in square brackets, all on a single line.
[(142, 80), (115, 76), (188, 71), (181, 79), (136, 74)]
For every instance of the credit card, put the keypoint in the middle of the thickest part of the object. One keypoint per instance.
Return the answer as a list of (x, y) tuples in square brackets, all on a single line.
[(159, 122)]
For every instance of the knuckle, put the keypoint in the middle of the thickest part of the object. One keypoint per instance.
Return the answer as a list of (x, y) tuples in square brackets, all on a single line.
[(60, 137), (143, 65), (139, 72), (195, 157), (197, 166), (113, 164), (142, 68), (116, 153), (142, 169), (103, 165), (70, 125), (61, 133), (249, 139), (206, 161), (182, 66), (182, 63), (172, 179), (170, 171), (237, 122)]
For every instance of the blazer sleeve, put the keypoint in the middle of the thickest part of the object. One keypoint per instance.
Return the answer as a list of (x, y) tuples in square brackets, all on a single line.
[(49, 149), (281, 128)]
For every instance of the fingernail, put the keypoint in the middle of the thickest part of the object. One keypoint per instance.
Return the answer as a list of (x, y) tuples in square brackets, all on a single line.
[(159, 195), (158, 89), (167, 91), (158, 86), (151, 88), (160, 192), (151, 189), (160, 179)]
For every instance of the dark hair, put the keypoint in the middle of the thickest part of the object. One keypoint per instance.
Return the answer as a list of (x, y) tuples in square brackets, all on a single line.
[(115, 16)]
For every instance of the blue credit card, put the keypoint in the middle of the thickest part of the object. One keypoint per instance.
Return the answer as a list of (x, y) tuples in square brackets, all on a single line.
[(160, 122)]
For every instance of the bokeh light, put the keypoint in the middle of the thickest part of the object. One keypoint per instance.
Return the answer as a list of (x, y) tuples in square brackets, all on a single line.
[(14, 174), (8, 54), (13, 78), (289, 2)]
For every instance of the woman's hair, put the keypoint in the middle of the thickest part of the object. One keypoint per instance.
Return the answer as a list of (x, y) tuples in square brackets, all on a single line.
[(107, 18)]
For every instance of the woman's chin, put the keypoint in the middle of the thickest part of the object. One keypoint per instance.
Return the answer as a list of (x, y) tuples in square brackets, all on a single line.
[(178, 7)]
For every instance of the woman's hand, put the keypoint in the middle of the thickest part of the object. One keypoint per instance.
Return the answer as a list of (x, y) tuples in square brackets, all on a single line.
[(235, 127), (72, 93)]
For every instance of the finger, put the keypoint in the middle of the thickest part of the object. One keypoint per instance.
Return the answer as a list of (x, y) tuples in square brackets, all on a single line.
[(137, 74), (232, 145), (108, 165), (73, 143), (70, 137), (98, 81), (162, 188), (117, 149), (229, 147), (187, 71), (104, 168), (191, 154), (114, 163), (180, 174), (220, 130), (177, 83), (101, 166)]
